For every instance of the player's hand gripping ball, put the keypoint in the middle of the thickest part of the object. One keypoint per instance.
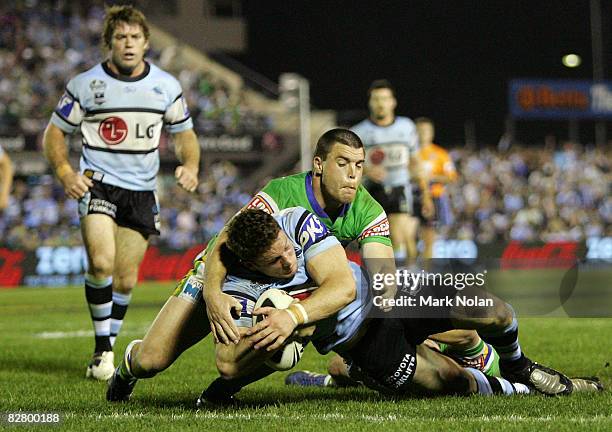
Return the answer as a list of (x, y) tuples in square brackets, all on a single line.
[(291, 353)]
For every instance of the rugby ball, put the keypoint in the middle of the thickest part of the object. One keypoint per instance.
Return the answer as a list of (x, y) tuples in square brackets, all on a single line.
[(290, 354)]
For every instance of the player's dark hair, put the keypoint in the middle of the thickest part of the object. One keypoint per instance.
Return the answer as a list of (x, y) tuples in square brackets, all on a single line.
[(251, 233), (381, 84), (126, 14), (335, 136), (424, 120)]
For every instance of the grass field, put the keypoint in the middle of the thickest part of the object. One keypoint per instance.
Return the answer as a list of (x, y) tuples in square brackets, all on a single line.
[(45, 340)]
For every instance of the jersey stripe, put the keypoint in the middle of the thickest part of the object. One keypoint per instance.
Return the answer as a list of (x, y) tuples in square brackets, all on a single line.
[(65, 119), (109, 150), (91, 113)]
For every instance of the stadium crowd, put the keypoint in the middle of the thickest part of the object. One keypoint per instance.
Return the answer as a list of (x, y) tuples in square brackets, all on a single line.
[(523, 194), (41, 46), (527, 194)]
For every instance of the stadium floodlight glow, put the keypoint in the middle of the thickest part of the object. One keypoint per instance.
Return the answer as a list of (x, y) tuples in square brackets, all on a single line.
[(571, 60)]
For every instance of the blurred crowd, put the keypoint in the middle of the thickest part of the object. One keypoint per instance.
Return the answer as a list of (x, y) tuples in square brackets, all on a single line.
[(532, 194), (527, 194), (44, 43)]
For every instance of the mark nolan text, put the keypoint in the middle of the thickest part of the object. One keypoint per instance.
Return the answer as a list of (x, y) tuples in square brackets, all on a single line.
[(403, 301)]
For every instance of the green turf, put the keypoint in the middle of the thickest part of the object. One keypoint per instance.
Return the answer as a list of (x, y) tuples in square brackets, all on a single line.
[(46, 375)]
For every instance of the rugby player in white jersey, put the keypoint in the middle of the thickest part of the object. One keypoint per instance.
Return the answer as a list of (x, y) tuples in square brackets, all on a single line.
[(285, 251), (120, 107), (391, 143)]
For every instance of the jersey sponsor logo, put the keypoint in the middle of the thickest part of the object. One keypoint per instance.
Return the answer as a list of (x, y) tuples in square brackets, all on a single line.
[(113, 130), (65, 105), (258, 202), (403, 373), (311, 231), (380, 229)]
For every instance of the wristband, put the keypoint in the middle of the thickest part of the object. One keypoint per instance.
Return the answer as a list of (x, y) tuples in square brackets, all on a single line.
[(299, 312), (293, 317)]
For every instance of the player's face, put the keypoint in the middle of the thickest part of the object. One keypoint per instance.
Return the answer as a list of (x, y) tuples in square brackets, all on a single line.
[(280, 260), (425, 132), (128, 47), (342, 172), (382, 104)]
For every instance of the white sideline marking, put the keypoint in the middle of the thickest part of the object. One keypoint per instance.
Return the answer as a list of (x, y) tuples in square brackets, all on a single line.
[(215, 415), (80, 333)]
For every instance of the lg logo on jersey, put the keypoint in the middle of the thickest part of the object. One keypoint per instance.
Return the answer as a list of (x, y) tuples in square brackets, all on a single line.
[(114, 130)]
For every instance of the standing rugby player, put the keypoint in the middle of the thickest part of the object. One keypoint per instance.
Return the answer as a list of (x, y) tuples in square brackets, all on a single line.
[(120, 107)]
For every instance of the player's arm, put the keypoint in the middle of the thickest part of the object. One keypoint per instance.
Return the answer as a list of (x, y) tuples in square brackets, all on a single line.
[(187, 151), (219, 305), (416, 169), (336, 289), (6, 179), (378, 258), (55, 151)]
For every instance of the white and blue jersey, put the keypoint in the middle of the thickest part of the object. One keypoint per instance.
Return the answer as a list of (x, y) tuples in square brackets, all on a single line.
[(121, 120), (392, 146), (309, 237)]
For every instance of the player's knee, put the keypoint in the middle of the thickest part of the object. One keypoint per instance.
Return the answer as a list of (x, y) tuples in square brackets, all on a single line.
[(502, 315), (456, 380), (152, 361), (337, 367), (100, 266), (125, 283), (227, 369)]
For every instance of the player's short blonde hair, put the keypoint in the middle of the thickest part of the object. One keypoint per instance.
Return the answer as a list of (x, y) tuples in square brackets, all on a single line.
[(126, 14)]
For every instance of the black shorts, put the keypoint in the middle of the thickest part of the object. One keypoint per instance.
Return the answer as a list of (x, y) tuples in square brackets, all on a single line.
[(383, 359), (442, 210), (393, 200), (138, 210)]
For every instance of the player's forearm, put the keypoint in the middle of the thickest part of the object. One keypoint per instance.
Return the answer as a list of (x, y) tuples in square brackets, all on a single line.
[(332, 295), (188, 149), (214, 270), (55, 151)]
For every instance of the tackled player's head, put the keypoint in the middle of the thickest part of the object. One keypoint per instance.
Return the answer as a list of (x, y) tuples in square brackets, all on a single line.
[(382, 101), (257, 239), (338, 161), (126, 37)]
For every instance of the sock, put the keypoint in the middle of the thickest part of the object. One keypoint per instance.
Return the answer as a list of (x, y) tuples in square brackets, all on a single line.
[(226, 388), (489, 386), (125, 368), (120, 306), (505, 341), (99, 295)]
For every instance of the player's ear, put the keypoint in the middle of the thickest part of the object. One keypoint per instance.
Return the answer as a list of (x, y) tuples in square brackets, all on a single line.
[(317, 166), (146, 46)]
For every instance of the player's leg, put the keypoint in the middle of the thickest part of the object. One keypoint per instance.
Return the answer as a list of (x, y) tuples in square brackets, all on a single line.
[(98, 233), (130, 249), (386, 361), (403, 229), (180, 324), (498, 327), (469, 350)]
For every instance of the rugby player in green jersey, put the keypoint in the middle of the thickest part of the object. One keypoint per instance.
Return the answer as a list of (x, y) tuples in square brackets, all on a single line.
[(333, 192)]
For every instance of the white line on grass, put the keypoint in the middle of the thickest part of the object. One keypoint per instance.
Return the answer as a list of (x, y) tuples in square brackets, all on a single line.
[(80, 333), (216, 415)]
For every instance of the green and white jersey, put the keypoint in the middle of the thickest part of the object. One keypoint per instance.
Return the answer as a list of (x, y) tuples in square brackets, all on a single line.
[(363, 220)]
